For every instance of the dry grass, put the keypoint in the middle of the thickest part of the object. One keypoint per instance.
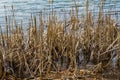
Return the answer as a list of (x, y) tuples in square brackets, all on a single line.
[(62, 46)]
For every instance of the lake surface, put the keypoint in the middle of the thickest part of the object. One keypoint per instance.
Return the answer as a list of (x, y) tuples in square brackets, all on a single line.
[(24, 8)]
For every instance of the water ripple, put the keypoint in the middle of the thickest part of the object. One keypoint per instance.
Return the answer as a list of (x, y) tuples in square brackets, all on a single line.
[(22, 8)]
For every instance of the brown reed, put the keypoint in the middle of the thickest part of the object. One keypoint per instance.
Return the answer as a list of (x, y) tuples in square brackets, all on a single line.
[(59, 46)]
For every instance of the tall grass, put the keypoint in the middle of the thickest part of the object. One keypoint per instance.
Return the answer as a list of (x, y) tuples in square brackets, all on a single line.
[(60, 46)]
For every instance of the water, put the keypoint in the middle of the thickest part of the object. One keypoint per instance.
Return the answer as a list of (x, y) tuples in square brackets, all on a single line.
[(24, 8)]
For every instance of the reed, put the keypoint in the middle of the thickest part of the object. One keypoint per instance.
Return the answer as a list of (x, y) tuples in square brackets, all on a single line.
[(62, 45)]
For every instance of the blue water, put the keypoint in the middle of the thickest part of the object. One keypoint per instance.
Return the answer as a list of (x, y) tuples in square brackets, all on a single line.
[(24, 8)]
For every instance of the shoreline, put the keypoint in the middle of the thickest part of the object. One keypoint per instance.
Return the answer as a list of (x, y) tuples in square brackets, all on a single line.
[(77, 48)]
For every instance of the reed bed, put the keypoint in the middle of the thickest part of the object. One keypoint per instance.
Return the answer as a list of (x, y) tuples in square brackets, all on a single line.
[(71, 48)]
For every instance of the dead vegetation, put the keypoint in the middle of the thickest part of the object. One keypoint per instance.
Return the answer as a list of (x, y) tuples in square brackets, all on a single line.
[(73, 48)]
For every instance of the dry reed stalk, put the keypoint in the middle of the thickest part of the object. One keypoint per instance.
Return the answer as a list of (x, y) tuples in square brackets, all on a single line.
[(57, 48), (118, 54)]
